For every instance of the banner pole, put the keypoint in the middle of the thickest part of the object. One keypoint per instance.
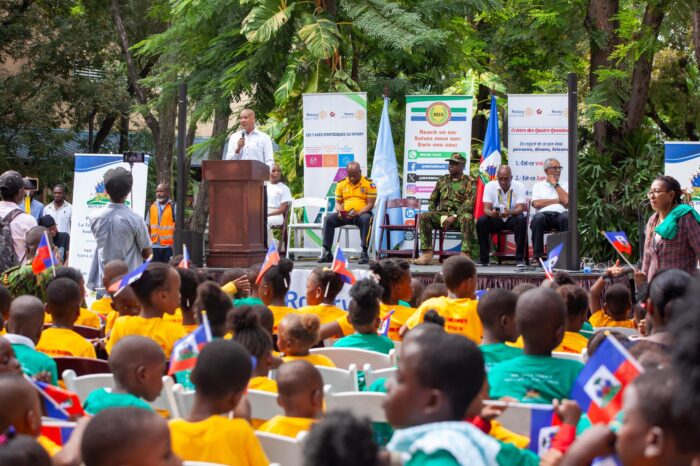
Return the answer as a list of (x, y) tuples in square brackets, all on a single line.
[(181, 170), (572, 251)]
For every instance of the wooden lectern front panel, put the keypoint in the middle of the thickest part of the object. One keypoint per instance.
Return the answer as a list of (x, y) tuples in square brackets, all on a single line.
[(240, 217)]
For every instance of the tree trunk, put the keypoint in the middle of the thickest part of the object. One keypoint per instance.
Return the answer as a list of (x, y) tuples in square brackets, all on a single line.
[(200, 214), (165, 143), (124, 131), (103, 132)]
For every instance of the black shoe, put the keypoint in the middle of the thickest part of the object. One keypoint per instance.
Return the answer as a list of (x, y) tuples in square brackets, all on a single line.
[(521, 263), (481, 263), (325, 257), (364, 258)]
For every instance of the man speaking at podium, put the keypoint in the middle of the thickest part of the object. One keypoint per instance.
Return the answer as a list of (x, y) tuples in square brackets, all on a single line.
[(249, 143)]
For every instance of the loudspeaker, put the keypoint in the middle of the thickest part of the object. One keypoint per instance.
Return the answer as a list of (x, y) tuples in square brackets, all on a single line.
[(554, 240)]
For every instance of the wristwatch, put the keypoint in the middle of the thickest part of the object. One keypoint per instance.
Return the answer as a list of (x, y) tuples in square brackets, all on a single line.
[(556, 186)]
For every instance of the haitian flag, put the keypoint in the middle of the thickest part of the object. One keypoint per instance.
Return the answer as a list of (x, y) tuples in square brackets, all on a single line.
[(187, 349), (271, 258), (386, 323), (60, 404), (544, 425), (117, 287), (619, 241), (44, 257), (58, 432), (340, 266), (599, 386), (490, 158), (185, 262)]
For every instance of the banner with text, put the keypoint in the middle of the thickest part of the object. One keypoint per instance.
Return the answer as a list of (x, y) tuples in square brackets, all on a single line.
[(538, 128), (335, 133), (436, 126), (89, 197), (682, 161)]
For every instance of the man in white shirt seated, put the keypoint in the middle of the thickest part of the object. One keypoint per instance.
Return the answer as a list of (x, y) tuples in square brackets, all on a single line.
[(504, 204), (278, 199), (249, 143), (551, 199), (12, 193)]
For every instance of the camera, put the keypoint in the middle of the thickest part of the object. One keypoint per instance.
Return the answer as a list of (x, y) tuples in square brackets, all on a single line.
[(31, 184), (134, 157)]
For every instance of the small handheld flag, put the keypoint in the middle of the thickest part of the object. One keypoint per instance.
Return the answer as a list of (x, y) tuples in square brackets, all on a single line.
[(60, 404), (386, 323), (552, 259), (44, 256), (544, 425), (58, 432), (271, 258), (619, 241), (340, 266), (117, 287), (186, 350), (185, 262), (600, 385)]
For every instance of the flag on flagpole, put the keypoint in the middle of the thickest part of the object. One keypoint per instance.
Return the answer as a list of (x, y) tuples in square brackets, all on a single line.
[(187, 349), (340, 266), (59, 403), (117, 287), (599, 387), (544, 425), (185, 262), (44, 256), (58, 432), (271, 258), (386, 323), (619, 241), (385, 174), (490, 158)]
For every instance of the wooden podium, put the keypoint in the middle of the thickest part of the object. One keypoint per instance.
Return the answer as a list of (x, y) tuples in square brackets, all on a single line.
[(237, 212)]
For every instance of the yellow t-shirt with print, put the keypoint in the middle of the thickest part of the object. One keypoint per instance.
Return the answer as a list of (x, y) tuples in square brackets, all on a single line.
[(163, 332), (287, 426), (601, 319), (326, 313), (355, 196), (64, 342), (459, 314), (278, 312), (174, 317), (573, 342), (217, 439), (102, 305), (85, 318), (315, 359)]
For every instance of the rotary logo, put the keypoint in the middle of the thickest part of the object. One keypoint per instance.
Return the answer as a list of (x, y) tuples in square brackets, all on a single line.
[(323, 114), (529, 111), (359, 114), (438, 114)]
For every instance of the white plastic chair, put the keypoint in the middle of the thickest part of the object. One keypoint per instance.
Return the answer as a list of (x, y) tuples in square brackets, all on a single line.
[(184, 399), (263, 405), (372, 375), (348, 228), (86, 384), (344, 357), (297, 228), (569, 356), (628, 332), (280, 449), (362, 404), (341, 380)]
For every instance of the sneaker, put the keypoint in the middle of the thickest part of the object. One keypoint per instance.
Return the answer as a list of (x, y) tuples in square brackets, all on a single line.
[(521, 264), (364, 258), (325, 257)]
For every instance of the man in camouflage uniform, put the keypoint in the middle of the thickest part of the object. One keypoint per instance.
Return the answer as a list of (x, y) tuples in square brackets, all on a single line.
[(451, 207)]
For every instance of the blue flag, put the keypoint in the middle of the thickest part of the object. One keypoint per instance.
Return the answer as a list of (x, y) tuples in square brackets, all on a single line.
[(385, 175), (544, 425)]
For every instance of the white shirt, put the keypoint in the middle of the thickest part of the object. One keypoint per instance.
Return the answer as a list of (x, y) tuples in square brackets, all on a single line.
[(544, 190), (62, 215), (277, 194), (19, 227), (19, 340), (508, 200), (258, 146)]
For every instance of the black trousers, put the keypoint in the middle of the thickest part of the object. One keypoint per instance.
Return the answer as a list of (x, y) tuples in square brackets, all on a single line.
[(334, 220), (545, 221), (162, 254), (487, 226)]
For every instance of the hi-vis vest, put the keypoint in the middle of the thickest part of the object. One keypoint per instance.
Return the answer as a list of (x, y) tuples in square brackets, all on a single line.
[(165, 230)]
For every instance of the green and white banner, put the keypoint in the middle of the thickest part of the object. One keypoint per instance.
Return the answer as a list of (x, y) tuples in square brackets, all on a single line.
[(436, 127)]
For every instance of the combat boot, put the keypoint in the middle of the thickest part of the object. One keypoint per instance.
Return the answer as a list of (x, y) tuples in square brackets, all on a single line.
[(425, 259)]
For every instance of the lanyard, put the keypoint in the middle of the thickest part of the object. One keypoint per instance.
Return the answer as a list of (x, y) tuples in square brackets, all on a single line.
[(510, 197)]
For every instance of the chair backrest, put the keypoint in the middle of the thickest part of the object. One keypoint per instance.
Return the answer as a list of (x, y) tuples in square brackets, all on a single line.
[(281, 449), (81, 366), (569, 356), (83, 385), (404, 202), (628, 332), (89, 333), (341, 380), (263, 405), (184, 399), (363, 404), (372, 375), (166, 400), (344, 357), (306, 203)]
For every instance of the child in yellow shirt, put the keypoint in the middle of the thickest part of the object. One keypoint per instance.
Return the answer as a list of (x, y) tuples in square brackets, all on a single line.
[(300, 396), (63, 304), (576, 300), (158, 289), (221, 378), (86, 318), (247, 331), (459, 308), (124, 304), (273, 287), (297, 333), (189, 280), (615, 310), (114, 270), (322, 286)]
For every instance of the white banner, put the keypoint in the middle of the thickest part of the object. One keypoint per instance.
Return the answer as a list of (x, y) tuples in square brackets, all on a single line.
[(682, 161), (436, 126), (538, 128), (89, 197), (335, 133), (296, 296)]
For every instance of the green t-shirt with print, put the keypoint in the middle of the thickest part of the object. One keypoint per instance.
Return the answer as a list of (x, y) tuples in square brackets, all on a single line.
[(498, 352)]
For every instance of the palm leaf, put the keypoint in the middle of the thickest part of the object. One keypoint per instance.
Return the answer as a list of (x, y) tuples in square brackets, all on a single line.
[(320, 35), (265, 20)]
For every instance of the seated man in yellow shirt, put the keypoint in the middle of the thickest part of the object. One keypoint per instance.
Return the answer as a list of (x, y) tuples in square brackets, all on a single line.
[(354, 200), (300, 389), (576, 300), (63, 303)]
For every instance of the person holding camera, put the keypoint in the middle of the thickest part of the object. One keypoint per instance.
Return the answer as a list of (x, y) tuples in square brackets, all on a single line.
[(504, 204)]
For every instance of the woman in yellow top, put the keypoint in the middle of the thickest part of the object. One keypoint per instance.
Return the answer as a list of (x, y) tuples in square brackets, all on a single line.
[(273, 287), (322, 286), (297, 334), (394, 276)]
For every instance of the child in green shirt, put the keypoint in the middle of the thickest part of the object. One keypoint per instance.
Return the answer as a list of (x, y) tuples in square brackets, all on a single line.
[(138, 365), (496, 310), (364, 317)]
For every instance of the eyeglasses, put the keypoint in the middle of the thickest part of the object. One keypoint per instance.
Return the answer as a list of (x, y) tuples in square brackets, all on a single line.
[(557, 168), (655, 192)]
